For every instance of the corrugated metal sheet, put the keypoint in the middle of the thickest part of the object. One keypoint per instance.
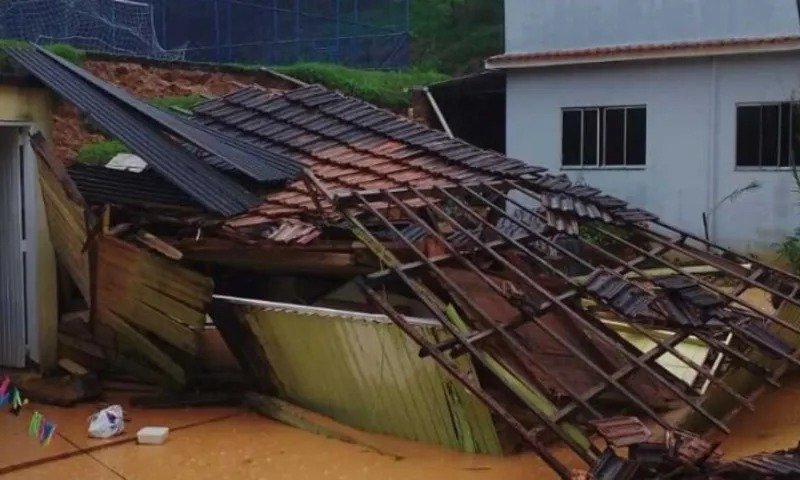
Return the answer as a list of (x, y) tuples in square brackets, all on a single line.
[(362, 370), (260, 165), (207, 186), (106, 185), (13, 316)]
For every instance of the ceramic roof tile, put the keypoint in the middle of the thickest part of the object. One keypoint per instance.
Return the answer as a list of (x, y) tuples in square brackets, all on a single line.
[(348, 142)]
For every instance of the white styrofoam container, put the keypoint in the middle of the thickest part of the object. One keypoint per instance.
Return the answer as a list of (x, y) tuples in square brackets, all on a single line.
[(152, 435)]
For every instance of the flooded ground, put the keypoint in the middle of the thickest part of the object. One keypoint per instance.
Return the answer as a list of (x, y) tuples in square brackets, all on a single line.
[(229, 443), (223, 444)]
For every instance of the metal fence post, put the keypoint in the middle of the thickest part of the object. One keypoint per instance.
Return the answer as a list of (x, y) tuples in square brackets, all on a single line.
[(337, 56), (216, 31)]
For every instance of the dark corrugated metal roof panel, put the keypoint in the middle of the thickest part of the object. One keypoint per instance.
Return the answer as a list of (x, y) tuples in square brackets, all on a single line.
[(348, 144), (262, 166), (107, 185), (209, 187)]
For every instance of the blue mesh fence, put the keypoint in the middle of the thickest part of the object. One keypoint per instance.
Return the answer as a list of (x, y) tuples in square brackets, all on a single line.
[(365, 33)]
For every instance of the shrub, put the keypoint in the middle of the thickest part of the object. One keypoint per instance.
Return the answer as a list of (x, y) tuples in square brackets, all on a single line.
[(99, 153), (789, 249)]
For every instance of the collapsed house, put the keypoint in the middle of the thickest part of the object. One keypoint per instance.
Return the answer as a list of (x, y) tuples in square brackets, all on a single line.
[(404, 282)]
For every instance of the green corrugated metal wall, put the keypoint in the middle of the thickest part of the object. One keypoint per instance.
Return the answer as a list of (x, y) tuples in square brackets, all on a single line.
[(367, 374)]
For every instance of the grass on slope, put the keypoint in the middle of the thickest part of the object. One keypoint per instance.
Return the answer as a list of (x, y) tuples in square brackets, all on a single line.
[(384, 88), (186, 102), (99, 153), (67, 52)]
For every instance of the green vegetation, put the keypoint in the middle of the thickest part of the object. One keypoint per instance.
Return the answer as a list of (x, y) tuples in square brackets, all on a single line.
[(591, 233), (99, 153), (789, 249), (186, 102), (384, 88), (455, 36), (65, 51)]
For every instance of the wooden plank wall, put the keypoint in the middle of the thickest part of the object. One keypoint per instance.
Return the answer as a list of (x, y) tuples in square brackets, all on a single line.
[(368, 375), (140, 294), (155, 307)]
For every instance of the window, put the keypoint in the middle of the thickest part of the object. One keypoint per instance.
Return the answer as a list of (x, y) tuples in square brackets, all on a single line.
[(603, 136), (764, 135)]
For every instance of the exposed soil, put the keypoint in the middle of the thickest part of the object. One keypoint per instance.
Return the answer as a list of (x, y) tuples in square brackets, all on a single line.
[(149, 81)]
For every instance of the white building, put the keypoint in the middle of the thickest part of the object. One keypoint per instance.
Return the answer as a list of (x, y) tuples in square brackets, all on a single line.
[(669, 104)]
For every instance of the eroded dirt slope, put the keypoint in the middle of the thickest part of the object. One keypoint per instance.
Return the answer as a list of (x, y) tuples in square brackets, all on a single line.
[(149, 81)]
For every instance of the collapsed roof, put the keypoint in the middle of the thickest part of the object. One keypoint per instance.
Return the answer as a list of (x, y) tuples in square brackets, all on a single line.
[(529, 273)]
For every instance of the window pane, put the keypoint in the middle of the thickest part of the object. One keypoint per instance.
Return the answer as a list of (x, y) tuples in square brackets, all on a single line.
[(615, 136), (571, 138), (748, 120), (636, 137), (785, 134), (590, 137), (769, 135)]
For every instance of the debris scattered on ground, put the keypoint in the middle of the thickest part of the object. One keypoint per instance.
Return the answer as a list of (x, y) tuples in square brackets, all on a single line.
[(108, 422), (152, 435), (63, 391)]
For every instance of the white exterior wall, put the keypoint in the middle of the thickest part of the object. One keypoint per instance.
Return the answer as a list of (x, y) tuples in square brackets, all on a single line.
[(539, 25), (691, 132)]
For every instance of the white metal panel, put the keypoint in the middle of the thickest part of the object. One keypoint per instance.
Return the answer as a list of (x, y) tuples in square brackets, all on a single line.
[(12, 272), (30, 179)]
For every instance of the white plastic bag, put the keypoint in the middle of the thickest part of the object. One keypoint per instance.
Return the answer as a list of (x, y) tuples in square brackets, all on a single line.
[(107, 423)]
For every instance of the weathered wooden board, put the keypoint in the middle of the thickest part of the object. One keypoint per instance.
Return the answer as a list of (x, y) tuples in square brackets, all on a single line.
[(365, 372), (151, 293), (137, 292), (67, 229)]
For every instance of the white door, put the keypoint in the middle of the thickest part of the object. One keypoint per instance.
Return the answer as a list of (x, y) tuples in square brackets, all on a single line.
[(13, 275)]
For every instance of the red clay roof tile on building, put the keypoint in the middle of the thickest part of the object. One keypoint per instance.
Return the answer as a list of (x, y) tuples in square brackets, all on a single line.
[(644, 50)]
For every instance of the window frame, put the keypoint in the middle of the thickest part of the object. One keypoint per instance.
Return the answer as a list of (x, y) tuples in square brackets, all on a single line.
[(763, 168), (600, 137)]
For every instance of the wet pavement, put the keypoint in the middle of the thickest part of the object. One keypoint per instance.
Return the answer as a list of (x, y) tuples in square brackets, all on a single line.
[(232, 443)]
